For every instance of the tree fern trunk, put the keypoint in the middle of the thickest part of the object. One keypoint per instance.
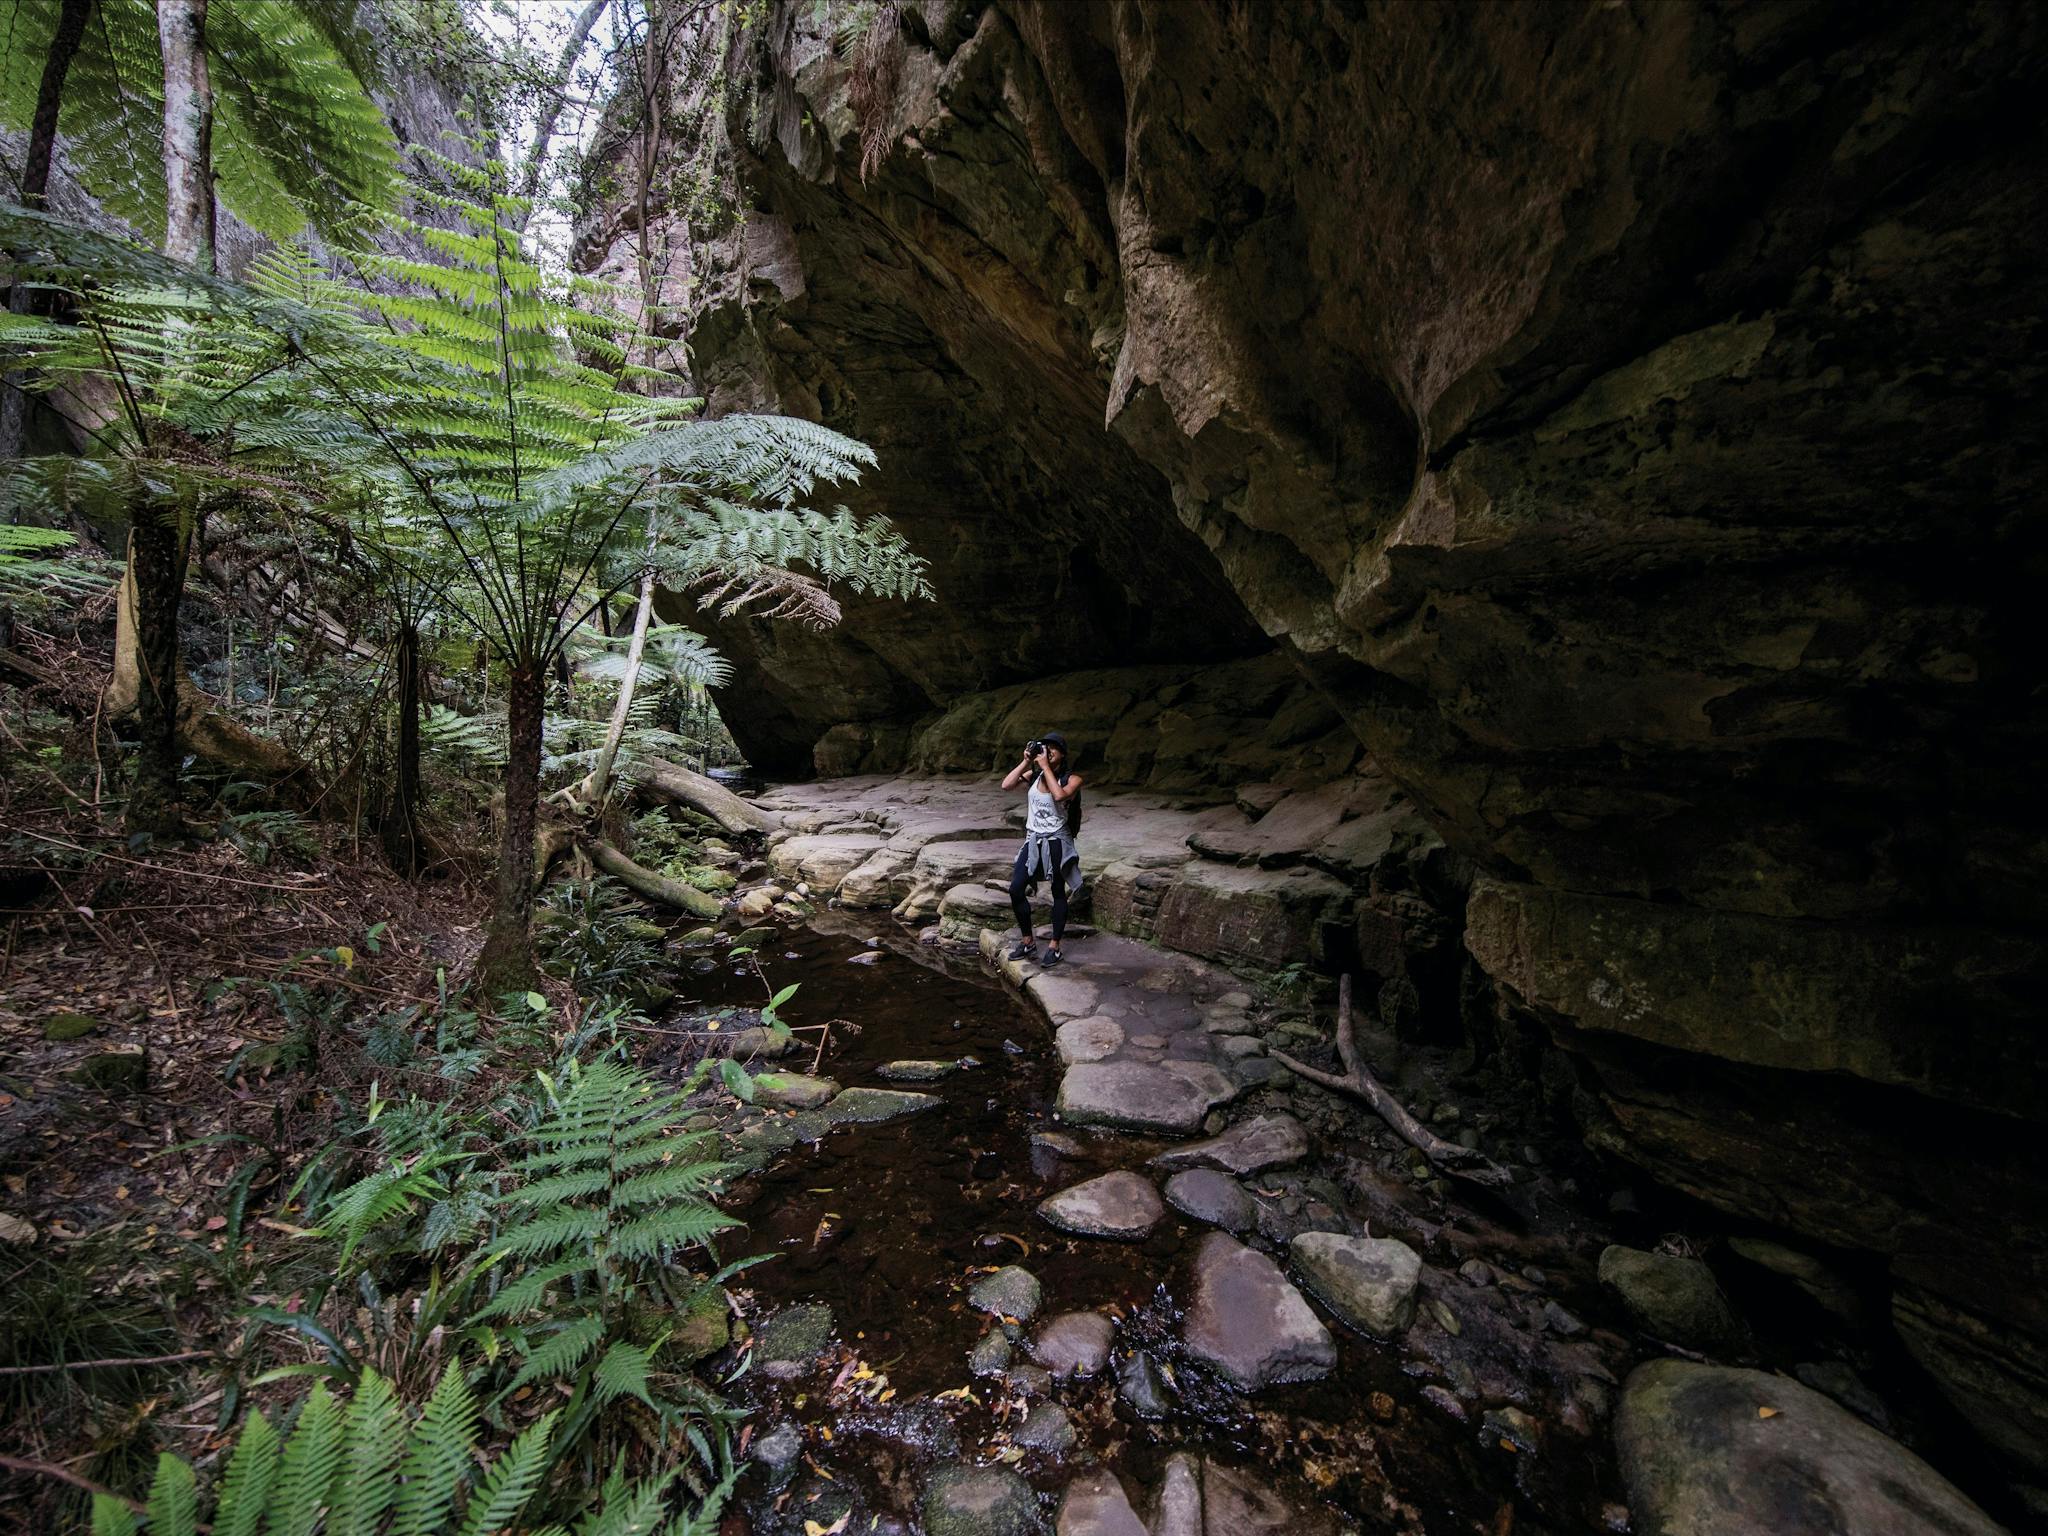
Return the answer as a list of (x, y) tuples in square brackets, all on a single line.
[(156, 554), (402, 824), (507, 961), (35, 185)]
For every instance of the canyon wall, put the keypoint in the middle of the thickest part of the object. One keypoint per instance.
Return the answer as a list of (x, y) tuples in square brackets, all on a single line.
[(1622, 415)]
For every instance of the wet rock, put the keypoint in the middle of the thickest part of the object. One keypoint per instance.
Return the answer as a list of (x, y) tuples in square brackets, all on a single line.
[(1180, 1498), (1445, 1401), (1142, 1388), (1476, 1272), (865, 957), (874, 1106), (1120, 1205), (1370, 1282), (1095, 1505), (1702, 1457), (1827, 1288), (1210, 1196), (1845, 1387), (1560, 1322), (1236, 1502), (67, 1025), (1058, 1144), (1237, 1047), (920, 1071), (1137, 1096), (1028, 1380), (755, 904), (1252, 1146), (116, 1069), (1073, 1344), (704, 1328), (766, 1043), (1011, 1292), (979, 1501), (1046, 1429), (793, 1090), (778, 1451), (1228, 1022), (1671, 1298), (1511, 1425), (789, 1343), (1248, 1324), (990, 1355), (1254, 1071)]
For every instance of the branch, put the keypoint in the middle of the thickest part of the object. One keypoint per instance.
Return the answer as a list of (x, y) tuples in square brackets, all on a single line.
[(103, 1365), (655, 887), (1356, 1080)]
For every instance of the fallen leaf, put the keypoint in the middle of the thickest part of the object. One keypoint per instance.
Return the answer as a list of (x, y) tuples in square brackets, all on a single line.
[(1767, 1413), (215, 1223)]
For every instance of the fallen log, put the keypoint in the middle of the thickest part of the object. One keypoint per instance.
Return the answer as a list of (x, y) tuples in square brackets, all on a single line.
[(1356, 1080), (672, 781), (655, 887)]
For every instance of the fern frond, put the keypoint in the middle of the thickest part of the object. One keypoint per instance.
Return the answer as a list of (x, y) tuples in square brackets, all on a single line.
[(372, 1447), (439, 1453), (173, 1498), (252, 1472), (562, 1353), (511, 1480)]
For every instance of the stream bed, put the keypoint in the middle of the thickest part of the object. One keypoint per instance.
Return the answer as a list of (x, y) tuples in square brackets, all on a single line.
[(890, 1225)]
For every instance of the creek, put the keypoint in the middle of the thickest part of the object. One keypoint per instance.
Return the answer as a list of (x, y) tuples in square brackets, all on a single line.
[(889, 1225)]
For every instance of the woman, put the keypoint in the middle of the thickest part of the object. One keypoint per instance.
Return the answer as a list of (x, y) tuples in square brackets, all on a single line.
[(1052, 818)]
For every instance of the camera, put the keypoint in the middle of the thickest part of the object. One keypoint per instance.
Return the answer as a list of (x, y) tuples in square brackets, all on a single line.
[(1034, 748)]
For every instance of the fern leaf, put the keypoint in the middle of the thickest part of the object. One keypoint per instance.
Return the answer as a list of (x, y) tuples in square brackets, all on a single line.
[(252, 1472), (511, 1480), (436, 1457), (305, 1476), (622, 1372), (173, 1498), (374, 1442), (562, 1353)]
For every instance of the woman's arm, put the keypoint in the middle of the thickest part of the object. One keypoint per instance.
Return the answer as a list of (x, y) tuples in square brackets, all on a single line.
[(1017, 775), (1054, 787)]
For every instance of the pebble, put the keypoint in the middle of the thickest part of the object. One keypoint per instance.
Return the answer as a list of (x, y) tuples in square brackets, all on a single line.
[(1029, 1380), (778, 1451), (990, 1355), (1561, 1322), (1046, 1428), (1443, 1399), (1511, 1424), (1476, 1272), (1011, 1291)]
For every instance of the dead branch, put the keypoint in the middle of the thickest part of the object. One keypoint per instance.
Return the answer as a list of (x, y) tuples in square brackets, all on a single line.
[(108, 1365), (655, 887), (672, 781), (1356, 1080)]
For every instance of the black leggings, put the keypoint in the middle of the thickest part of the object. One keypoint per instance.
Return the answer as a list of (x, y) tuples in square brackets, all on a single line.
[(1021, 905)]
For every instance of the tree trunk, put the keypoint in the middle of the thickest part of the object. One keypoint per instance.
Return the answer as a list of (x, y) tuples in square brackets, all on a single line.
[(506, 964), (551, 114), (188, 133), (672, 781), (402, 822), (156, 564), (592, 791), (34, 190), (654, 886)]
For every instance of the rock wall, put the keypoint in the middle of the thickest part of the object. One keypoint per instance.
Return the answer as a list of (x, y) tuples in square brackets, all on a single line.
[(1622, 413)]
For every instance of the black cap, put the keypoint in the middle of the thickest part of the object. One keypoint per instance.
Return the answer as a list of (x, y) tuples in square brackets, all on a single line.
[(1054, 739)]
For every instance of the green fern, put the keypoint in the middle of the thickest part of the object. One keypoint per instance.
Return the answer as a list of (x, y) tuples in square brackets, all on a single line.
[(374, 1470)]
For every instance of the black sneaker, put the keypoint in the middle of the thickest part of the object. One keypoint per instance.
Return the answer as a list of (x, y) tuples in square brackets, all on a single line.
[(1023, 951), (1052, 958)]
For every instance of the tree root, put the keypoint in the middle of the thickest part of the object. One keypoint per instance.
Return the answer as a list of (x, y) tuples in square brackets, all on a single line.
[(672, 781), (1459, 1162), (655, 887)]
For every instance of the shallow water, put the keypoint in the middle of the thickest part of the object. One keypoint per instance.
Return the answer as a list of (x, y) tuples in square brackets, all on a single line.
[(890, 1224)]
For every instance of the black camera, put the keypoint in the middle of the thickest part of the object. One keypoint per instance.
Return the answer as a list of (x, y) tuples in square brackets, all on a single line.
[(1034, 748)]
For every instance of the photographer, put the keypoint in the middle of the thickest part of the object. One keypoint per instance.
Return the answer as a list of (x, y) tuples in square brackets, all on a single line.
[(1052, 820)]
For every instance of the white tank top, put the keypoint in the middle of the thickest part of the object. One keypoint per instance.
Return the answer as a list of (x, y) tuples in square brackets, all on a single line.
[(1043, 814)]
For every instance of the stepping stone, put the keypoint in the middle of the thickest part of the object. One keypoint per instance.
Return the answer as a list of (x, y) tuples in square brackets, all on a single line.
[(1073, 1344), (1252, 1146), (1142, 1388), (1120, 1205), (1134, 1096), (1370, 1282), (979, 1501), (1248, 1324), (874, 1106), (1095, 1505), (1093, 1039), (1011, 1291), (1214, 1197), (1180, 1498), (788, 1343), (793, 1090), (1712, 1451), (919, 1071)]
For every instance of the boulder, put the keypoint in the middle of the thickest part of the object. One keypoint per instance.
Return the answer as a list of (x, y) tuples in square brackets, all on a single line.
[(1671, 1298), (1214, 1197), (1119, 1205), (1370, 1282), (1172, 1097), (1251, 1146), (1248, 1324), (1714, 1451)]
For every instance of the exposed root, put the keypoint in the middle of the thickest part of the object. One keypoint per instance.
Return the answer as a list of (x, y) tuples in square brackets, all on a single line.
[(655, 887), (1459, 1162), (672, 781)]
